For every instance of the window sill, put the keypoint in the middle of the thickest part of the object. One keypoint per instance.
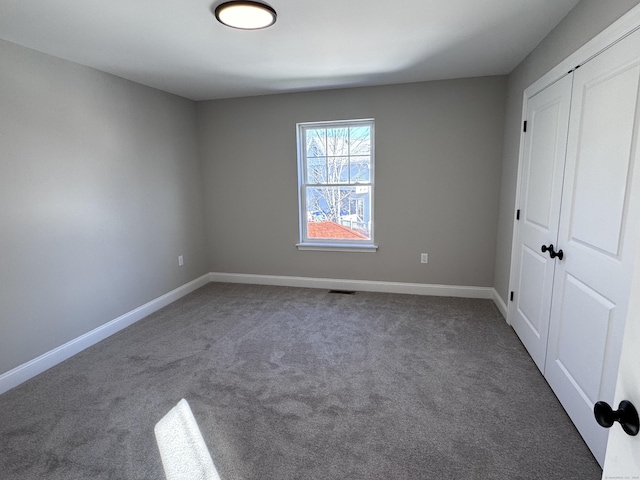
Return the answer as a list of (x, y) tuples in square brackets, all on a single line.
[(337, 247)]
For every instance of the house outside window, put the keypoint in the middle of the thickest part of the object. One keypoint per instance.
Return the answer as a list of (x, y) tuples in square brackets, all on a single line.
[(336, 185)]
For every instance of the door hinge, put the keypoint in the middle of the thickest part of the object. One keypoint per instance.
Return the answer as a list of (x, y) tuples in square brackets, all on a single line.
[(518, 214), (524, 126), (511, 297)]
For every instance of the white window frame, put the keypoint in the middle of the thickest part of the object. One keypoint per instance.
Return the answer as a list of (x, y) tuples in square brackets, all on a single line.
[(345, 245)]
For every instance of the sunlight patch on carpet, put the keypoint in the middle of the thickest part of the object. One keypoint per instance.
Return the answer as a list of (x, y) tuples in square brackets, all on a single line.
[(184, 454)]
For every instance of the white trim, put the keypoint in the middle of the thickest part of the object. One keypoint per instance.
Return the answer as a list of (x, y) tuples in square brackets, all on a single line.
[(497, 299), (516, 226), (307, 243), (337, 247), (615, 32), (359, 285), (34, 367)]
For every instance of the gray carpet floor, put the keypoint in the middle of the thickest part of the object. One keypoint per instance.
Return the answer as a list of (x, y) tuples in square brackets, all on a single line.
[(294, 383)]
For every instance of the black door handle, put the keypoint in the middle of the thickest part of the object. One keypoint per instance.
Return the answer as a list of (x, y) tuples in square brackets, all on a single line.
[(626, 414), (552, 252)]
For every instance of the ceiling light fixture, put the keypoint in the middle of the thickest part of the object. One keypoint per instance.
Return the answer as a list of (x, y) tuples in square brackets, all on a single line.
[(245, 15)]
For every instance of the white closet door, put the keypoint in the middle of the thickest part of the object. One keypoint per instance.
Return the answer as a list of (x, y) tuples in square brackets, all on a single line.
[(623, 451), (540, 196), (592, 281)]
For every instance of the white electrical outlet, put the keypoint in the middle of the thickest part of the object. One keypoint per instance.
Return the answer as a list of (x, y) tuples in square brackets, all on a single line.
[(424, 258), (180, 260)]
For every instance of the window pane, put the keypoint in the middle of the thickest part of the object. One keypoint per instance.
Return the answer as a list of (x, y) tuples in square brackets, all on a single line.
[(316, 142), (337, 142), (339, 212), (360, 140), (317, 170), (338, 170), (360, 169)]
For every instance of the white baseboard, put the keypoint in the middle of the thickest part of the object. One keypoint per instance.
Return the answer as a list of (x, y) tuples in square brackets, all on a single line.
[(34, 367), (497, 299), (361, 285)]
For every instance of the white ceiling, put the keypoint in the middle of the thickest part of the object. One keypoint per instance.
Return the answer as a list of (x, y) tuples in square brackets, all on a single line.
[(179, 47)]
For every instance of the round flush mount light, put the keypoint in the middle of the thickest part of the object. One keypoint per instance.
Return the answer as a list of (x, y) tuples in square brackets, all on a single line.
[(245, 15)]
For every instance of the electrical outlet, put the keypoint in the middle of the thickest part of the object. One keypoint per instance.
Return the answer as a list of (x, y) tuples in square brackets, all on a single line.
[(180, 260), (424, 258)]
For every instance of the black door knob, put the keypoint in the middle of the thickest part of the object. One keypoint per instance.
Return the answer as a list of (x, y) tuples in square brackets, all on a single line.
[(552, 252), (626, 414)]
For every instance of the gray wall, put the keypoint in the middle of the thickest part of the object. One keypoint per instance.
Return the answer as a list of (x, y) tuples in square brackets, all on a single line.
[(100, 191), (438, 155), (583, 23)]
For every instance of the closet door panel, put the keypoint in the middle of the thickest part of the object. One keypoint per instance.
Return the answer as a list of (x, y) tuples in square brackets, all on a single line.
[(532, 284), (582, 326), (540, 195), (603, 158), (591, 282)]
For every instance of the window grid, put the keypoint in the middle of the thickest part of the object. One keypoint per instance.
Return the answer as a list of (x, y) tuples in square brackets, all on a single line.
[(336, 174)]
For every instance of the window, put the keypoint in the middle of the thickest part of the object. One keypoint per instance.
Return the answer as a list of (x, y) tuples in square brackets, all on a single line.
[(336, 183)]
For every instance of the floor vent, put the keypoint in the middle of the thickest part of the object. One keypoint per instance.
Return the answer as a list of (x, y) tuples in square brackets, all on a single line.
[(343, 292)]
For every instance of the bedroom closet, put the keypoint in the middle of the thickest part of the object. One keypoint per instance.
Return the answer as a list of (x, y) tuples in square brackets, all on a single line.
[(578, 204)]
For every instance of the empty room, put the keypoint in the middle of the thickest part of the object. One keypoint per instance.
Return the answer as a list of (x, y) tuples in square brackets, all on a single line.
[(320, 239)]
